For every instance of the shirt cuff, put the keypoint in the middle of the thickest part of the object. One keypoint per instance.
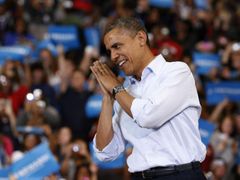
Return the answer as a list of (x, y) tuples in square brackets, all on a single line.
[(108, 153)]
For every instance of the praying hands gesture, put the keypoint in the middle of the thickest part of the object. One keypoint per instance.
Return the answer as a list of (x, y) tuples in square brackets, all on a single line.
[(105, 77)]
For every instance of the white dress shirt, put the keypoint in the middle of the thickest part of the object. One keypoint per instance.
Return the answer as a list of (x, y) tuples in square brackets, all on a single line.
[(164, 128)]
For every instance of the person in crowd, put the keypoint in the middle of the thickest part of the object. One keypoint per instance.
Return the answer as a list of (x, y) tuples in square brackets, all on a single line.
[(19, 35), (231, 62), (218, 170), (30, 140), (11, 85), (72, 106), (39, 80), (38, 112), (6, 20), (64, 139), (7, 118), (6, 150), (50, 65), (77, 161), (223, 142)]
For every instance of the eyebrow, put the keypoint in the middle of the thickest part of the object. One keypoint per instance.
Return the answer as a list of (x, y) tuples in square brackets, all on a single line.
[(115, 45)]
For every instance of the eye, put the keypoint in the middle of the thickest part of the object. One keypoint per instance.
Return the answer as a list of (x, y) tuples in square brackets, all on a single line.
[(116, 46)]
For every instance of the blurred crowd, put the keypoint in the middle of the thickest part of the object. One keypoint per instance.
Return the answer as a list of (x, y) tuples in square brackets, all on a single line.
[(51, 90)]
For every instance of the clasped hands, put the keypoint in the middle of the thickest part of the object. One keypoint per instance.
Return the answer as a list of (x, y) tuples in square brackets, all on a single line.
[(105, 77)]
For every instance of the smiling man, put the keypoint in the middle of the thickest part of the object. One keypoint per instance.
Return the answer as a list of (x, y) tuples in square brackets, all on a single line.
[(157, 113)]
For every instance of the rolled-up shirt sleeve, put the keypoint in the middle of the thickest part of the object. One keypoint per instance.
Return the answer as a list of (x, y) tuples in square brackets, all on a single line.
[(168, 98), (115, 147)]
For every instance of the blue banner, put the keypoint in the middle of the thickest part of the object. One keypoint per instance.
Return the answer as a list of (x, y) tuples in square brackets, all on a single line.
[(45, 44), (161, 3), (36, 164), (206, 130), (64, 35), (30, 130), (92, 36), (204, 62), (18, 53), (4, 173), (94, 105), (217, 92), (201, 4)]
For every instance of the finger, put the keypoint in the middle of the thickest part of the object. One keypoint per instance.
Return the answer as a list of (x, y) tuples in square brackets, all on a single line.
[(101, 68), (94, 73), (97, 76), (96, 70), (107, 69), (99, 81)]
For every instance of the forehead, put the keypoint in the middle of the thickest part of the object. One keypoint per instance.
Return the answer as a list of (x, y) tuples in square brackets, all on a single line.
[(116, 35)]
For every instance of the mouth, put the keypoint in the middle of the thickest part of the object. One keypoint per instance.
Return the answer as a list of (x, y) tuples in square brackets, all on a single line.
[(121, 62)]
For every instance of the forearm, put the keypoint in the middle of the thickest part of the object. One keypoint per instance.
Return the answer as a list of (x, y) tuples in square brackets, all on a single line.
[(85, 64), (12, 119), (125, 100), (215, 115), (105, 131)]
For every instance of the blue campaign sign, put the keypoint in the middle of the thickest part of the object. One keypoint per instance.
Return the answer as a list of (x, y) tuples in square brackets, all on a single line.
[(4, 172), (206, 130), (92, 36), (35, 164), (18, 53), (217, 92), (30, 130), (47, 44), (204, 62), (94, 105), (201, 4), (2, 59), (161, 3), (64, 35), (44, 44)]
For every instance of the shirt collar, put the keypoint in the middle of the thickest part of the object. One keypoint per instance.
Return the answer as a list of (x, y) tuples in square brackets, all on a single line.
[(153, 67), (156, 64)]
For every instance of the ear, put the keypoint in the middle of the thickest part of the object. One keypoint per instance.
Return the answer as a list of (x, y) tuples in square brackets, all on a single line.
[(142, 38)]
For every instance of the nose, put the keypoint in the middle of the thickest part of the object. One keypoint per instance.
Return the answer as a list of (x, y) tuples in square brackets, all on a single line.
[(114, 56)]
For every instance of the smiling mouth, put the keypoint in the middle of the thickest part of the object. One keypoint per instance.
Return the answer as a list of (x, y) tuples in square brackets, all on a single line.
[(120, 64)]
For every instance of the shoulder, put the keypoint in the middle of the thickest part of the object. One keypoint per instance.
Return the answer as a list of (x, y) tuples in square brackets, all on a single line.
[(176, 65), (175, 69)]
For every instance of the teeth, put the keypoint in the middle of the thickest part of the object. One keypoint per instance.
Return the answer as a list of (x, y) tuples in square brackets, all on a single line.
[(122, 62)]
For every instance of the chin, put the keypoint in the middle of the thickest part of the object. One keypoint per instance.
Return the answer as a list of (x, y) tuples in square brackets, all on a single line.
[(127, 73)]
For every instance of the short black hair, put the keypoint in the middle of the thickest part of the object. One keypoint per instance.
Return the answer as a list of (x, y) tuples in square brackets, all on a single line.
[(132, 24)]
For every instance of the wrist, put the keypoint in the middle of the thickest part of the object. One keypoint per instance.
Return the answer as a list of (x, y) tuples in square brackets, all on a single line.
[(108, 99), (117, 89)]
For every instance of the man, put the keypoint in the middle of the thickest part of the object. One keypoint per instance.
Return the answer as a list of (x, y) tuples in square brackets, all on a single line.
[(157, 113)]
